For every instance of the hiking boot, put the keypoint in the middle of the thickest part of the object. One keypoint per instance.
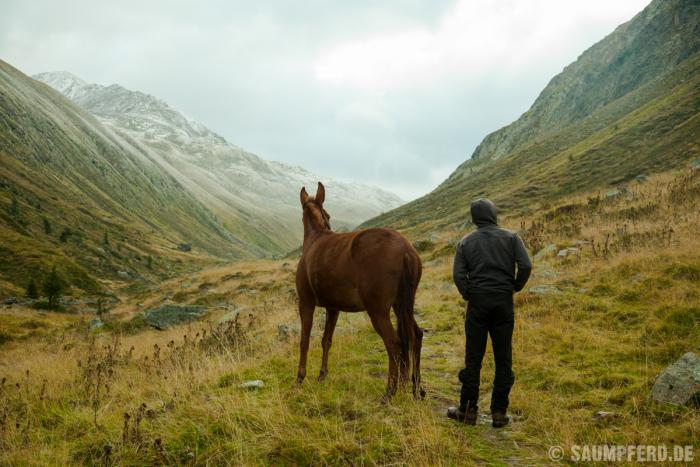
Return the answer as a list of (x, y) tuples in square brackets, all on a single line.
[(468, 417), (499, 418)]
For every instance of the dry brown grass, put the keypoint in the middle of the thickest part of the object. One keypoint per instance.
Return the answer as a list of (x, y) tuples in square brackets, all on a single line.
[(598, 345)]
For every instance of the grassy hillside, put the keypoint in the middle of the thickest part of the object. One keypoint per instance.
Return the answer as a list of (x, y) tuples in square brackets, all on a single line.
[(620, 309), (75, 194), (648, 130)]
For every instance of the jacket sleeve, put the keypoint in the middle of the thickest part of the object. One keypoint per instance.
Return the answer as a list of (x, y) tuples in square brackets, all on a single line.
[(460, 273), (522, 260)]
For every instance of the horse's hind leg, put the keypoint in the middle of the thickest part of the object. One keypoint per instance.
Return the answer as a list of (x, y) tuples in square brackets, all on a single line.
[(306, 313), (331, 320), (418, 392), (381, 320)]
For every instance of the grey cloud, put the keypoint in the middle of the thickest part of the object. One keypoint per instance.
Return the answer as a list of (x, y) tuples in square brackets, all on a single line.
[(245, 69)]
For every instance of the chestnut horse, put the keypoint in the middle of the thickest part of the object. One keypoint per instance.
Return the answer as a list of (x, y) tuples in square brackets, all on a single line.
[(370, 270)]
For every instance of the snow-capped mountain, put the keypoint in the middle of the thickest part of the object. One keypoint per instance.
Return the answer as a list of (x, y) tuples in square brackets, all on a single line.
[(237, 185)]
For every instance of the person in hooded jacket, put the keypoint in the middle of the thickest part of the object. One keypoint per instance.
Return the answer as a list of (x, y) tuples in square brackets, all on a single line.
[(490, 264)]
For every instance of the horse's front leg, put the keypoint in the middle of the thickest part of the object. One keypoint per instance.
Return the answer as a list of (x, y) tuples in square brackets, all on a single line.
[(331, 320), (306, 313)]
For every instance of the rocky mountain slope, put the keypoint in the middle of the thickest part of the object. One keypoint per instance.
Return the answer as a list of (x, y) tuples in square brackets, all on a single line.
[(628, 106), (240, 187), (77, 194), (652, 43)]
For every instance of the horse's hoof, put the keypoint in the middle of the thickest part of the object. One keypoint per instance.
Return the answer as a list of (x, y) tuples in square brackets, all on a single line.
[(321, 378), (299, 381), (419, 395), (386, 398)]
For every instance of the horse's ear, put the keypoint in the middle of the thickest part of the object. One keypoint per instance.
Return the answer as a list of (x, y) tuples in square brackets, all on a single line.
[(320, 193), (303, 196)]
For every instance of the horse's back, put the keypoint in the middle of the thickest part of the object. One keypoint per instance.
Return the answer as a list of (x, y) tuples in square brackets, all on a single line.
[(344, 270), (380, 247)]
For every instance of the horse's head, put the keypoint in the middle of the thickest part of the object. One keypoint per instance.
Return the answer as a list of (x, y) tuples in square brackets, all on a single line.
[(315, 217)]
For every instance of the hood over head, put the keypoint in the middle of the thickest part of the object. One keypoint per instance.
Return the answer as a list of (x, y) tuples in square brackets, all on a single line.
[(484, 212)]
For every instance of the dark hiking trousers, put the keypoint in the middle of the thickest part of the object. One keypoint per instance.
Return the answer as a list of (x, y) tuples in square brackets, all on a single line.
[(488, 314)]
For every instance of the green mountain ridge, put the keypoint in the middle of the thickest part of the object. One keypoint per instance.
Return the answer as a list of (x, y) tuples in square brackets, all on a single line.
[(75, 193), (652, 127), (651, 44)]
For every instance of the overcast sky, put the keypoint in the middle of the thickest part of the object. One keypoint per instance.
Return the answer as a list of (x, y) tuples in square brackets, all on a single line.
[(391, 93)]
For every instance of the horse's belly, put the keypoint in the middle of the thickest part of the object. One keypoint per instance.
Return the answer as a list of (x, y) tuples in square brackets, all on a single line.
[(340, 298)]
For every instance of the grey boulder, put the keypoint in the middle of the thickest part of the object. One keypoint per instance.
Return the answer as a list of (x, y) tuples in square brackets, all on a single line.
[(254, 384), (96, 323), (166, 316), (231, 315), (546, 251), (679, 383), (544, 289)]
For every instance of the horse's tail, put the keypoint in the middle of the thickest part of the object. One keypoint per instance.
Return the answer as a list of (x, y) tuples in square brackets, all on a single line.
[(403, 306)]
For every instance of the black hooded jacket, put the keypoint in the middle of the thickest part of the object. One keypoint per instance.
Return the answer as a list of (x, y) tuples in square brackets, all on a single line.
[(486, 259)]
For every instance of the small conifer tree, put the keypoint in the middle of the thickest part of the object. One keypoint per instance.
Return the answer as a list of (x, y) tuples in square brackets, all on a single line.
[(14, 207), (53, 286), (32, 291), (47, 226)]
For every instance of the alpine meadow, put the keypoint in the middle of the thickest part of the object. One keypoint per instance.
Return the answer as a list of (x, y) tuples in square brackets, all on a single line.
[(158, 282)]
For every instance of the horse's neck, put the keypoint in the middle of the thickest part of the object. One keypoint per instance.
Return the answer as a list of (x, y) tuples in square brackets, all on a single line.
[(312, 235), (311, 231)]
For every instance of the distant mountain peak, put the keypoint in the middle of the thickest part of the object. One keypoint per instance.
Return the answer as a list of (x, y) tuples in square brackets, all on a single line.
[(131, 110), (235, 183), (64, 81)]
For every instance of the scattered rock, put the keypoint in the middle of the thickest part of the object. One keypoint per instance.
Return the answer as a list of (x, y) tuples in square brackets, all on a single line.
[(568, 251), (614, 193), (544, 289), (679, 383), (602, 415), (641, 178), (283, 332), (123, 274), (167, 316), (184, 247), (253, 384), (96, 324), (545, 272), (231, 315), (546, 251), (11, 301), (695, 165)]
